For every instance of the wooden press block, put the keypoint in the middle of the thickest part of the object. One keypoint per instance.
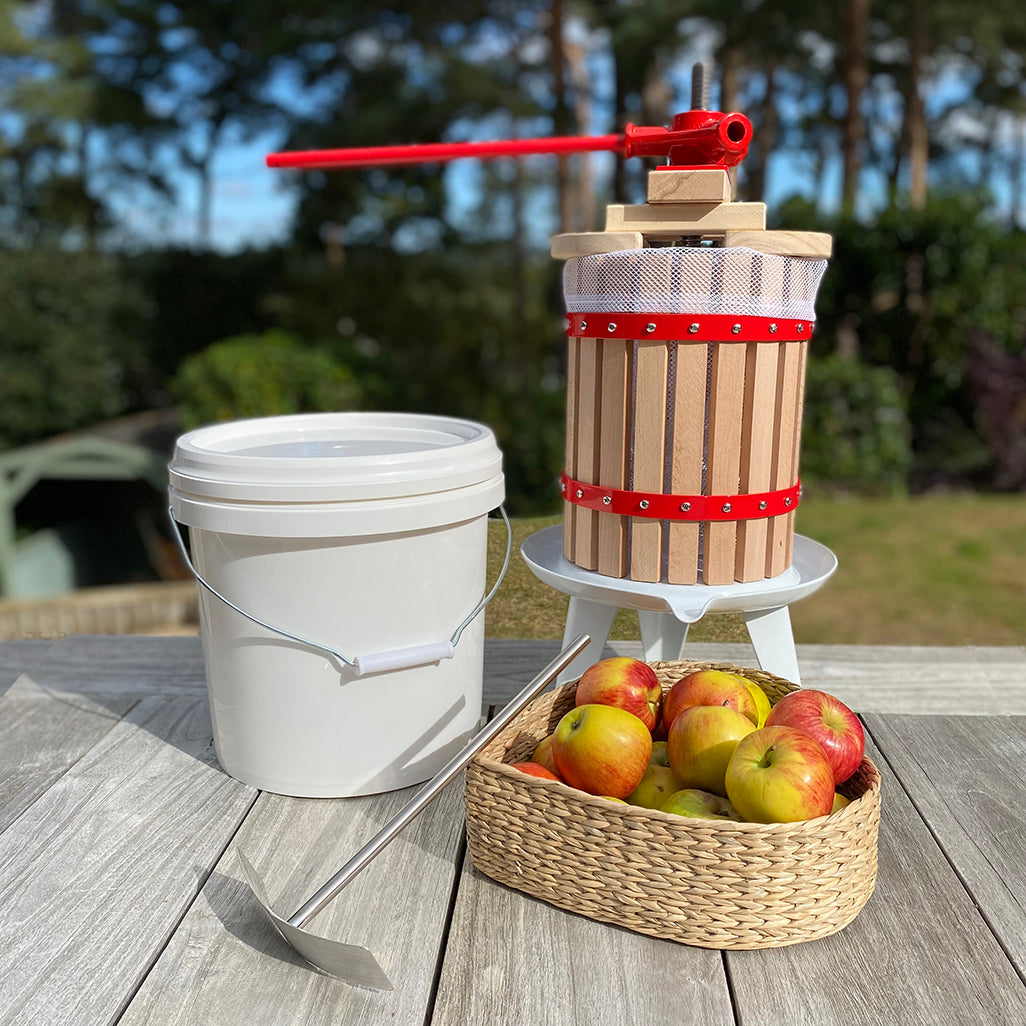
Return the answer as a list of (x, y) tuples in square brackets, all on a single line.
[(667, 220), (818, 245), (577, 244), (711, 185)]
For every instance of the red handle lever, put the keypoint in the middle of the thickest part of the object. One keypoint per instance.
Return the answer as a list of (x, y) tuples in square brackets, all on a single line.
[(698, 138)]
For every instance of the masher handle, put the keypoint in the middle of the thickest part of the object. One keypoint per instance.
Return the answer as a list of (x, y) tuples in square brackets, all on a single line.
[(436, 785)]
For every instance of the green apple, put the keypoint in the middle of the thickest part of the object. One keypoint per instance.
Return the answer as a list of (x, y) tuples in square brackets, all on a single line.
[(658, 783), (839, 802), (690, 801), (780, 775), (709, 687), (601, 749), (702, 740)]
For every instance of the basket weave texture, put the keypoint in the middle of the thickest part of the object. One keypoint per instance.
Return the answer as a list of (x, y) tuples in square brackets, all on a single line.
[(708, 883)]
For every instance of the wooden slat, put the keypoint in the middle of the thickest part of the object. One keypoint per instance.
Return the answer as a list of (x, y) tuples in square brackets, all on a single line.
[(756, 454), (397, 908), (669, 220), (585, 521), (649, 454), (514, 960), (918, 953), (709, 185), (965, 776), (573, 359), (784, 430), (817, 245), (578, 244), (17, 655), (689, 388), (726, 407), (803, 355), (614, 447), (97, 873)]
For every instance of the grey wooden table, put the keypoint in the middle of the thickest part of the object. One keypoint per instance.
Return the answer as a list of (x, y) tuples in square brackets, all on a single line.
[(121, 900)]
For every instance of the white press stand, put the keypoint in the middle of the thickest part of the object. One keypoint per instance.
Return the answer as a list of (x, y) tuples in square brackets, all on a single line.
[(665, 611)]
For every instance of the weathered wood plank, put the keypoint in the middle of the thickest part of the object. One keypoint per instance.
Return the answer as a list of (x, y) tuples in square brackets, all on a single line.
[(16, 656), (919, 952), (96, 874), (111, 664), (397, 907), (965, 776), (512, 959), (975, 680)]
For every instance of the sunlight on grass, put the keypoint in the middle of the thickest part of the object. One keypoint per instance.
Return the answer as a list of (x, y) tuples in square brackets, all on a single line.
[(935, 570)]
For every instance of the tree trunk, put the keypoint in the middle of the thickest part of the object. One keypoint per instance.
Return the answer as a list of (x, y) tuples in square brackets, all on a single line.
[(915, 111), (855, 74), (764, 137), (560, 113)]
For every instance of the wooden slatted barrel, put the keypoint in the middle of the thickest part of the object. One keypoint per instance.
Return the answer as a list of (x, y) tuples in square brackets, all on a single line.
[(684, 406)]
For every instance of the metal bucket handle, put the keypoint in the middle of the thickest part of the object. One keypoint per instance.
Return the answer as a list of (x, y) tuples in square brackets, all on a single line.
[(376, 662)]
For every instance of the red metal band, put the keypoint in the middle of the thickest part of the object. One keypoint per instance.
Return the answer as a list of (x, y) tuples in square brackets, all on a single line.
[(687, 327), (656, 506)]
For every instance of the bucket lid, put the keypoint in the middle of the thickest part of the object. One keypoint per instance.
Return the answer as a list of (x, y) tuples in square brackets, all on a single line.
[(332, 457)]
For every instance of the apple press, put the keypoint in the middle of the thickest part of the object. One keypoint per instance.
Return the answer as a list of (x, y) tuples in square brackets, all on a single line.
[(352, 962)]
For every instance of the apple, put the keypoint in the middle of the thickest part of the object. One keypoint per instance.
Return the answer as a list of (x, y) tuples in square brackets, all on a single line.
[(657, 784), (660, 754), (839, 802), (626, 683), (709, 687), (780, 775), (762, 702), (533, 769), (690, 801), (702, 740), (601, 749), (619, 801), (543, 754), (830, 722)]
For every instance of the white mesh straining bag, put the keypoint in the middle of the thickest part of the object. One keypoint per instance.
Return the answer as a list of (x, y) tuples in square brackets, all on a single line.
[(694, 279)]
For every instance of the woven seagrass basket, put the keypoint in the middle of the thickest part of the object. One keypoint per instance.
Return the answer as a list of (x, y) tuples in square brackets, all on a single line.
[(713, 884)]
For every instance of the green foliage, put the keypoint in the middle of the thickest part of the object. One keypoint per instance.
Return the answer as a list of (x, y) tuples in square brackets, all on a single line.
[(261, 375), (855, 432), (70, 353)]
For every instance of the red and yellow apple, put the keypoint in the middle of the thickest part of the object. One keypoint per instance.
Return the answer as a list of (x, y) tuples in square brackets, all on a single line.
[(779, 775), (625, 683), (702, 740), (697, 804), (533, 769), (830, 722), (762, 702), (543, 754), (601, 749), (709, 687)]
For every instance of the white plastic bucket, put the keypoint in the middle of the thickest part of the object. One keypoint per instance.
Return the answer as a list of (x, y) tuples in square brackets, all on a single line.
[(366, 532)]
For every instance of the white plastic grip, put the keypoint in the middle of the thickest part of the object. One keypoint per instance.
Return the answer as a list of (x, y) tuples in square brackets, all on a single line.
[(403, 658)]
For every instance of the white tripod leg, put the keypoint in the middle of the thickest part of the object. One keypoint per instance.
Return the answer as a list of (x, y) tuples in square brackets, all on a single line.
[(586, 617), (662, 635), (770, 631)]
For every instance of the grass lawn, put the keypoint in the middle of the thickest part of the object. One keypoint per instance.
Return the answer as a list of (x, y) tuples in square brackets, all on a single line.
[(934, 570)]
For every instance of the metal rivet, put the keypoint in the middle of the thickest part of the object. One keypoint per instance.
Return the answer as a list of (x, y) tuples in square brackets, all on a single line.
[(773, 329), (726, 507), (607, 499), (643, 504), (685, 507), (762, 505), (562, 486), (611, 326), (650, 328), (584, 324), (736, 329), (787, 501), (800, 328), (692, 329), (580, 494)]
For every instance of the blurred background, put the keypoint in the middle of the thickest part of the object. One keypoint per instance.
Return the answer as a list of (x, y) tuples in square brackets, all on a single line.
[(155, 275)]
